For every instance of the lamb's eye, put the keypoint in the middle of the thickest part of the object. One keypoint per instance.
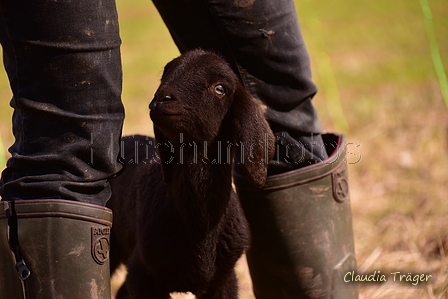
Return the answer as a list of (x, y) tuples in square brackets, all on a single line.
[(219, 89)]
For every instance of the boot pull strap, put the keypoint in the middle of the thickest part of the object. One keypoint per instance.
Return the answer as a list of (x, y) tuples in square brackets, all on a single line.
[(22, 269)]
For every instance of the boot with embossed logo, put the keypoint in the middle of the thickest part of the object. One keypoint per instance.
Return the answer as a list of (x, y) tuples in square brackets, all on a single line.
[(301, 230), (54, 249)]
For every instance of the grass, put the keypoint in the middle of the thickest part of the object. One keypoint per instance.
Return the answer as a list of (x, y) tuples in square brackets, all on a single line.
[(378, 84)]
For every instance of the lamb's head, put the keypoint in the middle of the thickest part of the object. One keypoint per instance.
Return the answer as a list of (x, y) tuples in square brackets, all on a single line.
[(195, 93), (198, 93)]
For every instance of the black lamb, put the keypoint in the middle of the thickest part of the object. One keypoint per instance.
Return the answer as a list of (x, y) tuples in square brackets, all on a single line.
[(178, 225)]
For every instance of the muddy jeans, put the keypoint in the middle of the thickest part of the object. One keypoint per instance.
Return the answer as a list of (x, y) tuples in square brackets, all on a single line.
[(263, 42), (63, 62)]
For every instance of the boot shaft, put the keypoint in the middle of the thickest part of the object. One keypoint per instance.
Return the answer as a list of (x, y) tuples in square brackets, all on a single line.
[(301, 230), (64, 244)]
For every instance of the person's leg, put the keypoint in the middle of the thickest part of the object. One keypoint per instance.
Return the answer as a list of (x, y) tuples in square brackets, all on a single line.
[(63, 62), (263, 42), (302, 238)]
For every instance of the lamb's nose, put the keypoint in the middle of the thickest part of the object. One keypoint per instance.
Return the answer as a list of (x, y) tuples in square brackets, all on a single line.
[(158, 100)]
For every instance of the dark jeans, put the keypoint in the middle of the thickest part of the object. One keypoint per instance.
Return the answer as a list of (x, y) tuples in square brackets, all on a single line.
[(63, 62), (263, 43)]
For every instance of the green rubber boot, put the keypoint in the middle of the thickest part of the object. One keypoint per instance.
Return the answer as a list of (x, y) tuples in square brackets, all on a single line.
[(301, 230), (54, 249)]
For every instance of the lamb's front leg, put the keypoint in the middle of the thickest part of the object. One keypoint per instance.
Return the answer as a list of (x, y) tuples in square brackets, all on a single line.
[(141, 285), (123, 292), (222, 289)]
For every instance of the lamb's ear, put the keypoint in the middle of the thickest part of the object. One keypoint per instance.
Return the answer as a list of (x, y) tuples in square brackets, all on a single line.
[(166, 154), (255, 138)]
